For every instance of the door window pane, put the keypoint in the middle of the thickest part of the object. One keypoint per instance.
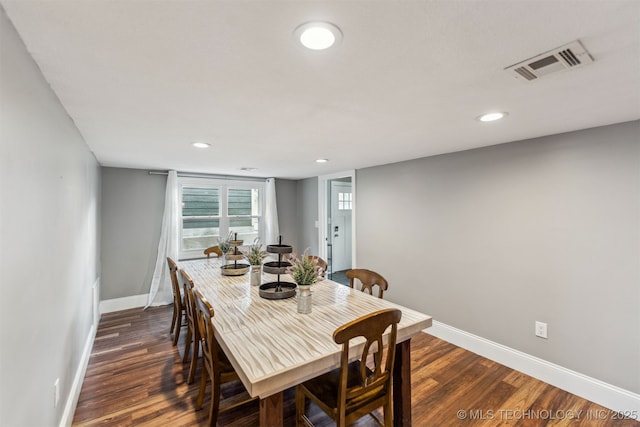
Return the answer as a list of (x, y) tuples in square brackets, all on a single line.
[(345, 201)]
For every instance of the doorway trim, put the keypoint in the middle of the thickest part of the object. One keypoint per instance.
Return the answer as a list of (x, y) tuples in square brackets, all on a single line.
[(323, 212)]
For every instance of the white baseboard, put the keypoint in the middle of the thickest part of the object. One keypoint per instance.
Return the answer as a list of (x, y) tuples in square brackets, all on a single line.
[(607, 395), (125, 303), (78, 379), (95, 303)]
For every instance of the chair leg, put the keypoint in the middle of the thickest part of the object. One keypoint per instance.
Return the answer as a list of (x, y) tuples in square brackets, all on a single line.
[(174, 318), (388, 413), (187, 344), (194, 359), (300, 402), (203, 386), (176, 333), (215, 400)]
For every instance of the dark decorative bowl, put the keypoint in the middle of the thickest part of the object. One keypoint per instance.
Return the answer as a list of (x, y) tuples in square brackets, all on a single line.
[(277, 290), (279, 249), (275, 267), (235, 269)]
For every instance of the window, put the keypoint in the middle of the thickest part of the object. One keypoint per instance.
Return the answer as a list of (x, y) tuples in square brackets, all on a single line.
[(213, 208), (200, 217), (244, 212), (345, 201)]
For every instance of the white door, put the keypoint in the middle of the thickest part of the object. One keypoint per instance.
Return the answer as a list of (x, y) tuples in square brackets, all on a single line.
[(339, 225)]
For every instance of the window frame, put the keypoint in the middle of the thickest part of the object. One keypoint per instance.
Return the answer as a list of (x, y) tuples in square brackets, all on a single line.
[(223, 186)]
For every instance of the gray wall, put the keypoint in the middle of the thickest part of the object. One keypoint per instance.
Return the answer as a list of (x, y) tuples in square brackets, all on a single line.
[(132, 207), (49, 229), (493, 239), (287, 211), (307, 202)]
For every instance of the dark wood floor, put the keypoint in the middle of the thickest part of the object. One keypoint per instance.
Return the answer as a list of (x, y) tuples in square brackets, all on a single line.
[(135, 377), (340, 277)]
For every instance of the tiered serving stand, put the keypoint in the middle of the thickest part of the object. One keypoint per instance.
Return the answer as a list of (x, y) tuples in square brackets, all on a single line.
[(277, 289), (236, 268)]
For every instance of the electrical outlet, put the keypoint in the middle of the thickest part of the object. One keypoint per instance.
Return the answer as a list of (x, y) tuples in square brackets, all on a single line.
[(541, 329), (56, 393)]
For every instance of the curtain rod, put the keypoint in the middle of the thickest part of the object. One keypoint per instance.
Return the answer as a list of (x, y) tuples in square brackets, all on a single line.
[(210, 176)]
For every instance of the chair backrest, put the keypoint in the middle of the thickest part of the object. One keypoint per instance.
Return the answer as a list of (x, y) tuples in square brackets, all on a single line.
[(369, 381), (321, 263), (204, 314), (173, 269), (213, 249), (368, 279), (190, 306)]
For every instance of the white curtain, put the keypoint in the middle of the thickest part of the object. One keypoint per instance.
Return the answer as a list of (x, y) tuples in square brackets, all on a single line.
[(271, 230), (161, 291)]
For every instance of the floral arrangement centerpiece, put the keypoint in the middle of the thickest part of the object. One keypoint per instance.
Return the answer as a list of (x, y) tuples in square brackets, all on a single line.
[(303, 270), (255, 255)]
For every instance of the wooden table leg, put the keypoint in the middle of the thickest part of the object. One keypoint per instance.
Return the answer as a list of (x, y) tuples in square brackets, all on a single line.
[(271, 410), (402, 385)]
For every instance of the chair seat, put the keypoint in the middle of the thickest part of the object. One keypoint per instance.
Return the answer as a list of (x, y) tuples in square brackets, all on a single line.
[(325, 387)]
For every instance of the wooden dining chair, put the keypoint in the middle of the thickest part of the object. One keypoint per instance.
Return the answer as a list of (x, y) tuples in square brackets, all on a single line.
[(178, 302), (216, 365), (321, 263), (356, 389), (213, 250), (368, 280), (193, 333)]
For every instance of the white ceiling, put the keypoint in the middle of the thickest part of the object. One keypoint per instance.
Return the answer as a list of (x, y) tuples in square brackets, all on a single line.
[(142, 80)]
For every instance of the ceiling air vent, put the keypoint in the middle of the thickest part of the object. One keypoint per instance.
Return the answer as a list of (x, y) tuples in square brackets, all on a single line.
[(572, 55)]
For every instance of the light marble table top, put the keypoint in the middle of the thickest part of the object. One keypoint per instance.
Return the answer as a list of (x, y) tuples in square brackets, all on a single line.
[(272, 346)]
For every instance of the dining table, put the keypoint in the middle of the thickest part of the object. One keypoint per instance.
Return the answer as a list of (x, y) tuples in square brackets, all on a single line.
[(272, 347)]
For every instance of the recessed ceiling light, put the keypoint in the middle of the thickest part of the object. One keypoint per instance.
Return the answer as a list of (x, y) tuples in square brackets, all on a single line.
[(491, 117), (318, 35), (201, 145), (322, 160)]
